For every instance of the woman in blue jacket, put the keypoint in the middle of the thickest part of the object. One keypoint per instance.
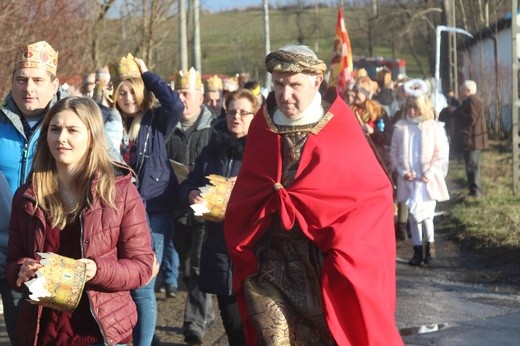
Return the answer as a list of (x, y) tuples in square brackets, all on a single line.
[(146, 123), (222, 156)]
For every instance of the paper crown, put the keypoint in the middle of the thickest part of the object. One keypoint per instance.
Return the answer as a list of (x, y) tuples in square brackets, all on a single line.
[(123, 69), (38, 55), (231, 84), (189, 80), (214, 84)]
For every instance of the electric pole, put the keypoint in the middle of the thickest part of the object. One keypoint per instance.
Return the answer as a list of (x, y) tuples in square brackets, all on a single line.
[(515, 109), (183, 37), (196, 36), (267, 42)]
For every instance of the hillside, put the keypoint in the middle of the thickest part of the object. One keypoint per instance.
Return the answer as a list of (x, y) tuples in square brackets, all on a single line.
[(232, 42)]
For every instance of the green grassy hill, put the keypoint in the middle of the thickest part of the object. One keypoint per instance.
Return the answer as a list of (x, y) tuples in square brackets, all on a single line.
[(232, 42)]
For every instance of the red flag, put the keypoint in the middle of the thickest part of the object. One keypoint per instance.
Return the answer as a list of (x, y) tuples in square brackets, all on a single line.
[(341, 66)]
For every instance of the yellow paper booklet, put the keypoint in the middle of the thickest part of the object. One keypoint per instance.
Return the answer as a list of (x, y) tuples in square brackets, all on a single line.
[(59, 283), (181, 170), (216, 196)]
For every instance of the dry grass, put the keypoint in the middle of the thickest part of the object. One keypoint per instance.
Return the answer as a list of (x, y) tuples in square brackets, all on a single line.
[(492, 222)]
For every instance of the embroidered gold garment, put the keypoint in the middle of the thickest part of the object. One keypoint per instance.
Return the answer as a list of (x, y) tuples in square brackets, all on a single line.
[(284, 295)]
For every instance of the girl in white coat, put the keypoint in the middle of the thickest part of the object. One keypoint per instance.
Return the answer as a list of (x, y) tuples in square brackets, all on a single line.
[(419, 154)]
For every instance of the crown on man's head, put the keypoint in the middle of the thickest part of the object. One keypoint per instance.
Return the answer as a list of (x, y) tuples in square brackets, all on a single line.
[(214, 84), (123, 69), (189, 80), (38, 55), (231, 84)]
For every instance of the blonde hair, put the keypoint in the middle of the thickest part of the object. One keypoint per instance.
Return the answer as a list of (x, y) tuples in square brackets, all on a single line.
[(44, 175), (144, 98), (423, 105)]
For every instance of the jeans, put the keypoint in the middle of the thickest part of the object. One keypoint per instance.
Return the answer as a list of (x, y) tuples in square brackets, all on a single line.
[(472, 162), (11, 301), (170, 264), (144, 297)]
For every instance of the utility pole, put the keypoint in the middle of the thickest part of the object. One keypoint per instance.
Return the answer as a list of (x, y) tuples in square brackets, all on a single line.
[(196, 36), (515, 100), (453, 78), (183, 37), (267, 42)]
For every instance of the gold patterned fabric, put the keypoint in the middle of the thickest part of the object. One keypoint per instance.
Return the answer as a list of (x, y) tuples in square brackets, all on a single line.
[(284, 295), (284, 61)]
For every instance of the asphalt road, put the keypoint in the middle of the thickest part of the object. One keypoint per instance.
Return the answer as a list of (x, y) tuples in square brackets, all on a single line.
[(455, 301)]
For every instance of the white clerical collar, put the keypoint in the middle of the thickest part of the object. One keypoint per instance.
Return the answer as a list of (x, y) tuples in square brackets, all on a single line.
[(312, 114)]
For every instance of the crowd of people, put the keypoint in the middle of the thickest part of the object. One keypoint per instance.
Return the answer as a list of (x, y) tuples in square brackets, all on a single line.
[(323, 185)]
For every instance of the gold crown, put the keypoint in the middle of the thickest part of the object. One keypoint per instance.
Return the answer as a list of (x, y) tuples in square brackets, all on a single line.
[(214, 84), (38, 55), (231, 84), (123, 69), (188, 80)]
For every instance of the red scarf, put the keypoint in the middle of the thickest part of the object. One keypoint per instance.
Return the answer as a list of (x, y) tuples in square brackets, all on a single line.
[(342, 200)]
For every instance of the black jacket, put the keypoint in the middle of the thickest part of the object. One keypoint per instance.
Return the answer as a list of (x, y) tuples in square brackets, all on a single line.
[(222, 156)]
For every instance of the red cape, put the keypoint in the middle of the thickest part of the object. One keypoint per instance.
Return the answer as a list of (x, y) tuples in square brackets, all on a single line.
[(342, 200)]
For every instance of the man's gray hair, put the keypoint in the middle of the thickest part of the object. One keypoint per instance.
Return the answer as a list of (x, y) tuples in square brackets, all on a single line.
[(471, 86)]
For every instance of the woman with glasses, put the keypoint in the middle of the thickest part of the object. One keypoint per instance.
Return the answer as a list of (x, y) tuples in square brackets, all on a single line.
[(222, 156), (419, 154)]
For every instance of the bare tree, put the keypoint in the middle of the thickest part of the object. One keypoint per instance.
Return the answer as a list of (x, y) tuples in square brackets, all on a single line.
[(64, 24)]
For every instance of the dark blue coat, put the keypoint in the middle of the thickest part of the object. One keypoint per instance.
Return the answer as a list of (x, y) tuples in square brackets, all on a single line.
[(157, 182), (222, 156)]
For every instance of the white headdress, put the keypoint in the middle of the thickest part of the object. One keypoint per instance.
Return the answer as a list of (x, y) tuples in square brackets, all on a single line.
[(416, 87)]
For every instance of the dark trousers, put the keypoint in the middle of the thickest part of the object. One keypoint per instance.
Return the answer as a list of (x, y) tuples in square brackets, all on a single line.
[(11, 300), (472, 162), (198, 313), (231, 320)]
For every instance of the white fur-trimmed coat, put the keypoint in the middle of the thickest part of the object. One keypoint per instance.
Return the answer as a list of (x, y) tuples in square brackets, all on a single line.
[(434, 158)]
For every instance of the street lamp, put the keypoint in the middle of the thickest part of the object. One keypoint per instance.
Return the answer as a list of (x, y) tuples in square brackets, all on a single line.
[(439, 30)]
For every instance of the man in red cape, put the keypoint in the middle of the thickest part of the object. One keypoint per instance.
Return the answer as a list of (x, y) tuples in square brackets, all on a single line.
[(337, 197)]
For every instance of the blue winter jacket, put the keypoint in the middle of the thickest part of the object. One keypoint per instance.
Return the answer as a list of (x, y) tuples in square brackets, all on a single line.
[(16, 151), (157, 182)]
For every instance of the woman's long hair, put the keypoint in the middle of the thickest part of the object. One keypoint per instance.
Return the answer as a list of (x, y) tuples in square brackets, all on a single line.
[(145, 99), (96, 163), (423, 104)]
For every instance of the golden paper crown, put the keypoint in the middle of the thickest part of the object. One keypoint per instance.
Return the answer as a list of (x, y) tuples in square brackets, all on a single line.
[(188, 80), (214, 84), (231, 84), (38, 55), (123, 69)]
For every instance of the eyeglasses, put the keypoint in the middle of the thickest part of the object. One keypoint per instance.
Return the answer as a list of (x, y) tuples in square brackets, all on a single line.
[(233, 112)]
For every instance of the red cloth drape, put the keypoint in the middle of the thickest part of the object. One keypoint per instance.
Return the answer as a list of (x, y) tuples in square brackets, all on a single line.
[(342, 200)]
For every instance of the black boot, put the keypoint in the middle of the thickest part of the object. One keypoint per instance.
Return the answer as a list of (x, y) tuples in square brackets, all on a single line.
[(429, 254), (401, 233), (417, 258)]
